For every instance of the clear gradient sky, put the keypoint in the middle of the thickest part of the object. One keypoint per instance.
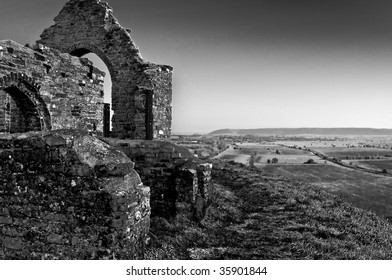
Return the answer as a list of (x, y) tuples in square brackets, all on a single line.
[(254, 63)]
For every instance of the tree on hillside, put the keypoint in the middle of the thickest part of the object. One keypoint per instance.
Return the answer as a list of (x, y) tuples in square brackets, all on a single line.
[(275, 160)]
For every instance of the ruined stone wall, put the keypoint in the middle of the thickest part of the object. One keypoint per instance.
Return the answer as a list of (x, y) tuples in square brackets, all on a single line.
[(162, 98), (179, 182), (85, 26), (68, 195), (43, 89)]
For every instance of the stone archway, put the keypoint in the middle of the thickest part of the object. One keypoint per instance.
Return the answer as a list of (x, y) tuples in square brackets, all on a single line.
[(85, 26), (21, 107), (80, 50)]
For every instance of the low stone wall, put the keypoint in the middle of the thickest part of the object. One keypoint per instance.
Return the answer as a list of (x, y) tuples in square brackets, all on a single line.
[(68, 195), (179, 182)]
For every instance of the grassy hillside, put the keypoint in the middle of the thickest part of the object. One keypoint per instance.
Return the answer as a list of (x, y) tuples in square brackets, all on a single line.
[(362, 189), (258, 216)]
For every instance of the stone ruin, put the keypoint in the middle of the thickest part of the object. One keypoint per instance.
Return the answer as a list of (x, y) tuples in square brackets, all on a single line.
[(62, 91), (68, 195), (42, 89), (69, 188)]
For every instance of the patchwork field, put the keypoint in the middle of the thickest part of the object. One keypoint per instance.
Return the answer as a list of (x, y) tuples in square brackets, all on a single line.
[(365, 190), (261, 153), (384, 142), (343, 153)]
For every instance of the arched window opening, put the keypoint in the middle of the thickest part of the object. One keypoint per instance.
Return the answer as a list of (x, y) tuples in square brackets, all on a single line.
[(18, 112), (107, 85)]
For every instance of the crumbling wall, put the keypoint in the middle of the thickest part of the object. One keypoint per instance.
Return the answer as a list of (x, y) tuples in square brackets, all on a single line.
[(43, 89), (193, 189), (180, 183), (161, 111), (68, 195), (141, 91)]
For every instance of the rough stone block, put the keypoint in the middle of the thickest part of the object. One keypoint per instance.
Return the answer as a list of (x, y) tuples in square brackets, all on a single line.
[(5, 220), (12, 243), (55, 141), (56, 239), (176, 155)]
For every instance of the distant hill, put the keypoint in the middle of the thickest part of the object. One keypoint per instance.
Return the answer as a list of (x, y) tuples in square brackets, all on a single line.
[(305, 131)]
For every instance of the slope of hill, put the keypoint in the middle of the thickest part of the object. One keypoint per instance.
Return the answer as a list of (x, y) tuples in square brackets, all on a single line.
[(304, 131), (258, 216)]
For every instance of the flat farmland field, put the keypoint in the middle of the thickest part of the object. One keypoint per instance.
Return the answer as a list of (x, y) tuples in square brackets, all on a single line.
[(315, 143), (262, 153), (343, 153), (240, 152), (364, 190), (319, 143), (375, 164), (342, 141), (287, 159)]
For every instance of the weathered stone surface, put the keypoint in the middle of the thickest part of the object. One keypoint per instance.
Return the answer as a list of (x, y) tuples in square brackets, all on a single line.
[(57, 203), (37, 95), (180, 183), (43, 89), (101, 157), (65, 194), (141, 91)]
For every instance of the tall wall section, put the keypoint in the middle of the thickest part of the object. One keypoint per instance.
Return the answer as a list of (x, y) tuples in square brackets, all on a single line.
[(67, 195), (141, 91), (43, 89)]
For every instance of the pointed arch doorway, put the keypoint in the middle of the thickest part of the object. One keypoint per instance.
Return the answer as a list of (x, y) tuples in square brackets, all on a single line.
[(107, 91)]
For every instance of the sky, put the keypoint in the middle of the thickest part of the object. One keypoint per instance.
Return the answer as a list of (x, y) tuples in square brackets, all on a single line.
[(253, 63)]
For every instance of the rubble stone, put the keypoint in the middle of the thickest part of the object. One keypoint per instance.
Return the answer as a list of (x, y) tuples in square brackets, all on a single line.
[(180, 183), (52, 210)]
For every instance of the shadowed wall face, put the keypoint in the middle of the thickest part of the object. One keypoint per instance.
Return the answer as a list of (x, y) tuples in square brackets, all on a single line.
[(18, 113)]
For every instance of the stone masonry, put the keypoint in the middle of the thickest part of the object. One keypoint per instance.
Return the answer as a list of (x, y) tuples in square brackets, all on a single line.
[(67, 195), (180, 183), (43, 89), (141, 91)]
